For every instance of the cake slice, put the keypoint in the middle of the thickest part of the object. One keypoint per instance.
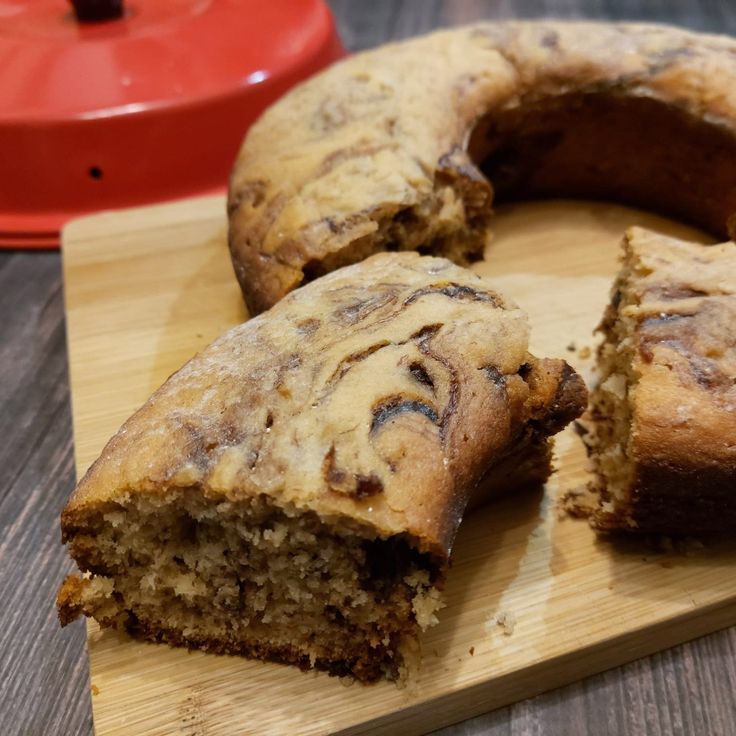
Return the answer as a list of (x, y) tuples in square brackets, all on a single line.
[(664, 443), (293, 492)]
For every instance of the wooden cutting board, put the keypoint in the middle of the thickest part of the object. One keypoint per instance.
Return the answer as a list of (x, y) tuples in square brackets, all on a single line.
[(147, 288)]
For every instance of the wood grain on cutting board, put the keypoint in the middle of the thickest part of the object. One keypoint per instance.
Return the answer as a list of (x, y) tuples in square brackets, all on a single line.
[(146, 288)]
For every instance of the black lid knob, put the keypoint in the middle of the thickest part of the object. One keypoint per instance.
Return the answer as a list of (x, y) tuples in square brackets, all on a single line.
[(95, 10)]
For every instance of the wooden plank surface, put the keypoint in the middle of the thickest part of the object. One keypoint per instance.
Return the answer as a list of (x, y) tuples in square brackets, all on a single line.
[(145, 289), (44, 687)]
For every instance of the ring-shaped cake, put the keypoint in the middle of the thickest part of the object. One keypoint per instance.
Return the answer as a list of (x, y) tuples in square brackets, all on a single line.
[(406, 147)]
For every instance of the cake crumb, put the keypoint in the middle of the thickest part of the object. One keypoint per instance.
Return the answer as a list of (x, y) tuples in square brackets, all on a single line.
[(571, 347), (505, 619), (95, 690), (471, 651), (584, 352)]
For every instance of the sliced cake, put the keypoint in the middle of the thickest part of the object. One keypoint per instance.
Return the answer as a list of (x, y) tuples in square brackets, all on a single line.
[(293, 492), (664, 444)]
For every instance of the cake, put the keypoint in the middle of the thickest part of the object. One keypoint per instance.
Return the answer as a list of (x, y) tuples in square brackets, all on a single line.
[(293, 492), (406, 147), (664, 411)]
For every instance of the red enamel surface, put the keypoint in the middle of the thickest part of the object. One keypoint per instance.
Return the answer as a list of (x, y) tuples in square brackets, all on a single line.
[(149, 107)]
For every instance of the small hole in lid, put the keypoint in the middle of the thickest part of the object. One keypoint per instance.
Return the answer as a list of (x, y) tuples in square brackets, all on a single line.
[(95, 172)]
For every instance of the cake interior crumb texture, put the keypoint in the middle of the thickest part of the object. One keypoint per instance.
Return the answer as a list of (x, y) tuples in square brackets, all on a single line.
[(612, 400), (249, 578)]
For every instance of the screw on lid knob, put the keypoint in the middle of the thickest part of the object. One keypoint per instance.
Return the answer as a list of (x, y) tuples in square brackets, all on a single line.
[(94, 10)]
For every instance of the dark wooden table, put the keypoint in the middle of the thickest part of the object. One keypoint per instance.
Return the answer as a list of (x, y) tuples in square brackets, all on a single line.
[(44, 688)]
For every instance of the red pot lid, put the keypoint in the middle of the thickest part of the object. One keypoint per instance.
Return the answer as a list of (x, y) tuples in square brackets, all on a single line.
[(146, 107)]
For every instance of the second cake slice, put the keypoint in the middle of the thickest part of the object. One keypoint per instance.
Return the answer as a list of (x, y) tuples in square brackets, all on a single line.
[(664, 444)]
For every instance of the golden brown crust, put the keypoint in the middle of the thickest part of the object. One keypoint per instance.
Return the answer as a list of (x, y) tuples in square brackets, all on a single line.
[(384, 150), (380, 395), (682, 443), (69, 599)]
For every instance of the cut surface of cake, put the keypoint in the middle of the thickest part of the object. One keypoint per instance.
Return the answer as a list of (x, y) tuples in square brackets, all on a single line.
[(293, 492), (664, 445)]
